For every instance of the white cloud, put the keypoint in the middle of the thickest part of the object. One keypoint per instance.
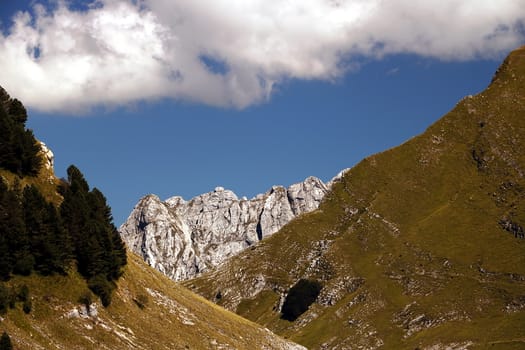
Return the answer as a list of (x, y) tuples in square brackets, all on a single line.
[(121, 51)]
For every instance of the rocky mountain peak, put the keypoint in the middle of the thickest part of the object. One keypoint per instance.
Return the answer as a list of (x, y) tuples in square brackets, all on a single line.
[(183, 238)]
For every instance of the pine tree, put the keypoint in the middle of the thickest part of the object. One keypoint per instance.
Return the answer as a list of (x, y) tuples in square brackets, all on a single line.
[(98, 248), (5, 342), (114, 248), (13, 228), (31, 161), (8, 158), (74, 211), (50, 245), (5, 256), (61, 246), (18, 112), (19, 150)]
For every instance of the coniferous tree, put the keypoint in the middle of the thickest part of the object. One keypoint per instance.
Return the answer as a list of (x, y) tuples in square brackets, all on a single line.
[(4, 298), (98, 248), (18, 112), (5, 255), (5, 342), (7, 154), (5, 265), (49, 245), (19, 150), (14, 230), (114, 249), (31, 160), (60, 240)]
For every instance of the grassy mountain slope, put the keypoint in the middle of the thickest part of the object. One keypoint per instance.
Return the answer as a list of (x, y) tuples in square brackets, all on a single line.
[(417, 247), (148, 311)]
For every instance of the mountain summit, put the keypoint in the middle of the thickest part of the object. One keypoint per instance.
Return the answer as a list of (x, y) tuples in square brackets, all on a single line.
[(184, 238)]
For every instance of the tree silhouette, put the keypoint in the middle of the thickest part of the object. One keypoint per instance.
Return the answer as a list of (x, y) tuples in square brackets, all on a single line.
[(5, 342)]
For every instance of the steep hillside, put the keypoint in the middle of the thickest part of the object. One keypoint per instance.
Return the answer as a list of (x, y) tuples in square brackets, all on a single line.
[(148, 311), (418, 247)]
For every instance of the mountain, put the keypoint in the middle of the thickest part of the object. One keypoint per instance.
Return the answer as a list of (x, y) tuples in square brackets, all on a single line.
[(184, 238), (419, 247), (59, 248)]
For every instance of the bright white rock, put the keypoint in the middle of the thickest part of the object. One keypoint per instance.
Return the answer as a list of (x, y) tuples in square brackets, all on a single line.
[(184, 238)]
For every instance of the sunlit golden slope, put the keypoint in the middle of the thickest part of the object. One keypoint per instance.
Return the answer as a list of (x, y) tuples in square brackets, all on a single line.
[(148, 311)]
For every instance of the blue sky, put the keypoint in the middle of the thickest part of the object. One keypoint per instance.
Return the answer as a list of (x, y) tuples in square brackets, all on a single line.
[(323, 112)]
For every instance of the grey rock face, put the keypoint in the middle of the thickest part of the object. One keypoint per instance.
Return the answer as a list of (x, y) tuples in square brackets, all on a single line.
[(183, 238)]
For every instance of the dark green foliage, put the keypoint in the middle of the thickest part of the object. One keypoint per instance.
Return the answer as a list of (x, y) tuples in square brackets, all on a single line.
[(4, 298), (17, 111), (49, 243), (5, 342), (24, 263), (299, 298), (19, 150), (5, 266), (27, 306), (98, 248), (9, 296), (34, 235), (13, 238), (23, 294), (102, 287)]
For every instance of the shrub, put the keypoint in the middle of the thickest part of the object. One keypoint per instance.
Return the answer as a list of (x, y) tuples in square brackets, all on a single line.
[(23, 293), (4, 298), (27, 306), (5, 342), (141, 300), (100, 285)]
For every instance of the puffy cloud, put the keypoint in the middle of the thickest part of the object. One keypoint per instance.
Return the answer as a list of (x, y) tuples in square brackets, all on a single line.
[(231, 52)]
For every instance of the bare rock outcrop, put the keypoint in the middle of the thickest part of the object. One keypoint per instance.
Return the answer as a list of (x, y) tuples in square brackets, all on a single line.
[(183, 238)]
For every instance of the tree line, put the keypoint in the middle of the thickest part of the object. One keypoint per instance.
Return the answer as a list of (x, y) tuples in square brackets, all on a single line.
[(37, 236), (18, 147)]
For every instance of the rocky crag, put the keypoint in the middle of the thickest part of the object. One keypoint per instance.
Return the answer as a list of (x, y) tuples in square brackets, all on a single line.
[(183, 238)]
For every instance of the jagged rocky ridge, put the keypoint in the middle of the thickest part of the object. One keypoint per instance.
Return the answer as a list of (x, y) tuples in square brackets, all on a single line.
[(183, 238)]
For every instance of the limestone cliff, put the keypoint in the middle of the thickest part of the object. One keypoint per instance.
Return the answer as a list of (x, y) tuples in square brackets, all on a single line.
[(183, 238)]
